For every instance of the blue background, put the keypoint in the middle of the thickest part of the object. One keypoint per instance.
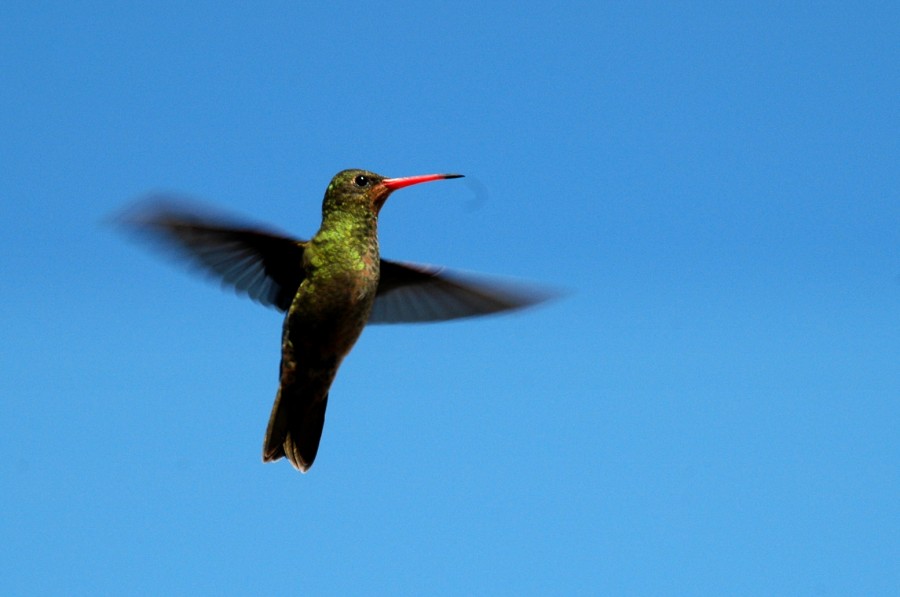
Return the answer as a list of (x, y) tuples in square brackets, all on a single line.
[(711, 409)]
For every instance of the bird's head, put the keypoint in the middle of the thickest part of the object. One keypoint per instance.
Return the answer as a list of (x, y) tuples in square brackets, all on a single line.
[(351, 190)]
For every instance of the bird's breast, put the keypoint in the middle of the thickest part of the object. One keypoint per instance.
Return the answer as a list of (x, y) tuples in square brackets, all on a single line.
[(324, 327)]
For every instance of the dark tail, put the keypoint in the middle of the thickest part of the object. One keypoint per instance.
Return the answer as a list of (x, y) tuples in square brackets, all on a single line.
[(295, 428)]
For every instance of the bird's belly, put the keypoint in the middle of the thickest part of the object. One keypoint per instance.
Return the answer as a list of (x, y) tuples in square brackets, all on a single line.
[(326, 318)]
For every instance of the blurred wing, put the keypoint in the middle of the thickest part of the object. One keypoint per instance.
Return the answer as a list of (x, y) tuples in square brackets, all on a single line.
[(266, 266), (409, 293)]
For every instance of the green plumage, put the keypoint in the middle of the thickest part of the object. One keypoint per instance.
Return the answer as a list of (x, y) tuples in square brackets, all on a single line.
[(326, 317)]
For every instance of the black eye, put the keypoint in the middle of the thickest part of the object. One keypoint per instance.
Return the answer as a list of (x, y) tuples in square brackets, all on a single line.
[(361, 181)]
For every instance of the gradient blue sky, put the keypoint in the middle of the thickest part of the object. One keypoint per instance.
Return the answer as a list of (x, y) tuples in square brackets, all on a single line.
[(712, 409)]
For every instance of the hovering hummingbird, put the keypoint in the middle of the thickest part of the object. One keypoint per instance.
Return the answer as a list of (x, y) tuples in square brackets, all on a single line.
[(330, 287)]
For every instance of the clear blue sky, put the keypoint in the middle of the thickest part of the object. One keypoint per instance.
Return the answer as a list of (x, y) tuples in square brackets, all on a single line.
[(712, 409)]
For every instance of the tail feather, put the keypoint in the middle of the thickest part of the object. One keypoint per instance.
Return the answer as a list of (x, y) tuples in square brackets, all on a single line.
[(295, 429)]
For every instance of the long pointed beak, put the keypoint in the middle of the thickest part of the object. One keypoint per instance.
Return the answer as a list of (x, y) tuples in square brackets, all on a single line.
[(398, 183)]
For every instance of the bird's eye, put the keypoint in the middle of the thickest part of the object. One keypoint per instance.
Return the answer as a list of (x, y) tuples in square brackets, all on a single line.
[(361, 181)]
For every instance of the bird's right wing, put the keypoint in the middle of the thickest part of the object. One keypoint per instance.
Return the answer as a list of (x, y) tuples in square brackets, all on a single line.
[(264, 265)]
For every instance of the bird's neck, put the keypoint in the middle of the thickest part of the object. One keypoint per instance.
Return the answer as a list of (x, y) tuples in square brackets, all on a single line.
[(346, 241), (346, 226)]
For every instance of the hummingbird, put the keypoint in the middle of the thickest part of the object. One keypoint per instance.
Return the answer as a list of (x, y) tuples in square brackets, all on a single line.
[(329, 288)]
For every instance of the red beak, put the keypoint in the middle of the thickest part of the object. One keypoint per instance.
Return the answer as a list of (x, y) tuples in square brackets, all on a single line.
[(398, 183)]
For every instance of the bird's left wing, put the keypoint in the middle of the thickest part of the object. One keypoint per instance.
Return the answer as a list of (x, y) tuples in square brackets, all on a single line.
[(262, 264), (411, 293)]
